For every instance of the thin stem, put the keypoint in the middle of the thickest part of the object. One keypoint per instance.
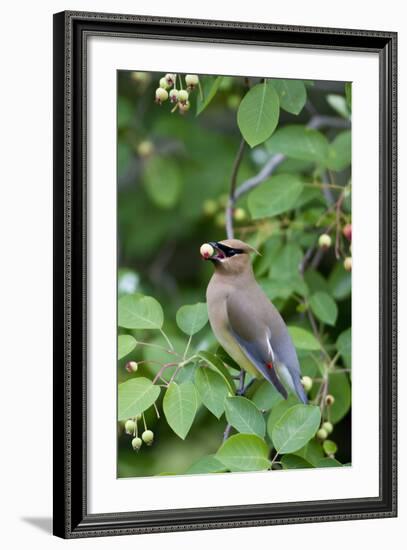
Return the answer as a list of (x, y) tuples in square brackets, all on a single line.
[(338, 219), (156, 410), (167, 339), (144, 422), (233, 180), (157, 346), (163, 368), (187, 346)]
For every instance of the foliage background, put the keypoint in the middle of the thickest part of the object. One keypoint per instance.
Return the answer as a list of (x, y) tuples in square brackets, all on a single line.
[(174, 174)]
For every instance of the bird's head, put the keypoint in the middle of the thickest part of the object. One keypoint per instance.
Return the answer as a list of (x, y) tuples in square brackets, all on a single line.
[(230, 256)]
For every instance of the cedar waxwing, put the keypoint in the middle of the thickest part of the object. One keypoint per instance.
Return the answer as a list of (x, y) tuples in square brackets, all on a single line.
[(245, 322)]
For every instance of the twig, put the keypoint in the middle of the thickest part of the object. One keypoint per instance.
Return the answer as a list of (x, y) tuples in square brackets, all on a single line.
[(338, 217)]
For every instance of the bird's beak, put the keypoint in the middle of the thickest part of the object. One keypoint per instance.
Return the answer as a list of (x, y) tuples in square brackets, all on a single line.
[(219, 253)]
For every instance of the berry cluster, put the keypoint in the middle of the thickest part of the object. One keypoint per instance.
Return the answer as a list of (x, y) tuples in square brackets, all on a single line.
[(325, 242), (180, 98), (131, 428)]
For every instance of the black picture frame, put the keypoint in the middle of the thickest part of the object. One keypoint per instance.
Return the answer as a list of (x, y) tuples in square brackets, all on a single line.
[(71, 519)]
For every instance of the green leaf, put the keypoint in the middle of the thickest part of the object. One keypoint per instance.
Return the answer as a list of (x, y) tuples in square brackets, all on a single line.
[(324, 307), (207, 465), (292, 94), (212, 390), (140, 312), (210, 86), (135, 396), (216, 364), (299, 142), (295, 428), (163, 181), (330, 447), (294, 462), (328, 463), (340, 152), (279, 409), (338, 104), (303, 339), (348, 94), (266, 396), (180, 404), (276, 195), (344, 346), (315, 280), (258, 113), (286, 264), (312, 452), (125, 344), (244, 453), (340, 282), (244, 416), (191, 319), (339, 387)]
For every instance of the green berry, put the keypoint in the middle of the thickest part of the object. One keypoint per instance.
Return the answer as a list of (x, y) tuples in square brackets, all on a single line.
[(307, 383), (328, 427), (145, 148), (330, 447), (161, 95), (136, 443), (183, 96), (324, 241), (163, 83), (129, 426), (148, 437), (233, 101), (174, 95), (131, 366), (191, 80), (322, 434), (209, 207), (347, 264), (220, 219), (329, 400), (240, 214)]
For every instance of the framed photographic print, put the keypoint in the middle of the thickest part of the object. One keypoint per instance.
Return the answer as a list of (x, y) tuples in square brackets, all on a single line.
[(225, 274)]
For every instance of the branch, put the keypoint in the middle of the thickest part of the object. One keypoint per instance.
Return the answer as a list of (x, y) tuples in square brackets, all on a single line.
[(316, 122)]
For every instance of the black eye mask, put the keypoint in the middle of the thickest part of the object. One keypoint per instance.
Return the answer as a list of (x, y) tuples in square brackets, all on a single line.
[(227, 250)]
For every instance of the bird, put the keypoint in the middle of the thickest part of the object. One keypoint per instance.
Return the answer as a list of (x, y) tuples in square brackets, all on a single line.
[(246, 323)]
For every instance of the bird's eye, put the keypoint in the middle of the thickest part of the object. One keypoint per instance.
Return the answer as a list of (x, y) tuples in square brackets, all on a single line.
[(232, 251)]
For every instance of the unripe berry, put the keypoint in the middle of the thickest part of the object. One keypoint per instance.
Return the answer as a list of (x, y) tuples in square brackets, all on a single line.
[(322, 434), (161, 95), (163, 83), (170, 78), (206, 250), (136, 443), (233, 101), (327, 426), (347, 264), (220, 219), (324, 241), (129, 426), (147, 437), (330, 447), (306, 382), (184, 107), (239, 214), (209, 207), (174, 96), (329, 400), (183, 96), (131, 366), (191, 80), (347, 231), (145, 148)]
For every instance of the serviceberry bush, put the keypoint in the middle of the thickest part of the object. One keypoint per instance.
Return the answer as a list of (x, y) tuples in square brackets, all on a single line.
[(202, 158)]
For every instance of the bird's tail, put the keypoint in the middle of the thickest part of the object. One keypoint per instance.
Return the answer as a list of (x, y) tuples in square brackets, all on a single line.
[(299, 390)]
